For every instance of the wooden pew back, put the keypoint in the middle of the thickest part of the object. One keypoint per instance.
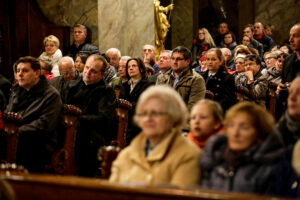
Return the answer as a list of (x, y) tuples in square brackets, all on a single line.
[(47, 187)]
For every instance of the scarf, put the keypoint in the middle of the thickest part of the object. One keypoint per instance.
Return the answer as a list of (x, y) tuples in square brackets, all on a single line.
[(292, 125)]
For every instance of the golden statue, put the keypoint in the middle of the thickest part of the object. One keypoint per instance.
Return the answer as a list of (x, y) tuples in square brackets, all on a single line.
[(162, 25)]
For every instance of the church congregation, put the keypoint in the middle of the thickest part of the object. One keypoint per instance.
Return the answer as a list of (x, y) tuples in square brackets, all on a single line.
[(223, 115)]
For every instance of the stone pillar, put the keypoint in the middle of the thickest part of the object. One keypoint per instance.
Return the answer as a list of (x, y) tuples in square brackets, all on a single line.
[(126, 25), (182, 23)]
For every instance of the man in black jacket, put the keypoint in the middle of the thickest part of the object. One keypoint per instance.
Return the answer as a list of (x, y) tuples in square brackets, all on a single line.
[(291, 67), (80, 44), (40, 105), (98, 123)]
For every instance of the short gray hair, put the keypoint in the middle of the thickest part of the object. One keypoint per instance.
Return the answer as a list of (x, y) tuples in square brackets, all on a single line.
[(66, 59), (170, 100), (114, 50)]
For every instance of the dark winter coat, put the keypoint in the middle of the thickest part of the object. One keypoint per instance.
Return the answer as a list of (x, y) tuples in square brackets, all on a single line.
[(253, 172), (222, 85), (40, 107), (98, 124)]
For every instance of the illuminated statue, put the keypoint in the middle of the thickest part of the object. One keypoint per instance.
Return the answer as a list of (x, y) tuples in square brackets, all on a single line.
[(162, 25)]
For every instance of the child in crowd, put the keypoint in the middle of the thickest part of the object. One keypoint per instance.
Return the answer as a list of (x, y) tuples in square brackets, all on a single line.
[(205, 120)]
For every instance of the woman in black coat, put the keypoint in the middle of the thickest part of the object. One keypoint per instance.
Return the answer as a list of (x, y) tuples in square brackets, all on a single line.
[(218, 81), (132, 89)]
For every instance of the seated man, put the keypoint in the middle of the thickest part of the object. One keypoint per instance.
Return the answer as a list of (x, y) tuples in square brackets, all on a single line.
[(188, 83), (114, 55), (81, 45), (97, 124), (67, 73), (40, 105), (148, 55), (256, 82)]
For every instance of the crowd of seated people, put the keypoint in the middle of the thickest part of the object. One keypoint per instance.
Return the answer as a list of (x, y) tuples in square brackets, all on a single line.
[(187, 126)]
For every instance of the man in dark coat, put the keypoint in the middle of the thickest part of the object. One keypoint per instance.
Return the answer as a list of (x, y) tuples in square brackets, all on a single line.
[(98, 123), (80, 44), (291, 67), (67, 73), (261, 37), (40, 105)]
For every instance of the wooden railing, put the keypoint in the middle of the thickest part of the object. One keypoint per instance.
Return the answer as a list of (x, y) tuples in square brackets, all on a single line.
[(47, 187)]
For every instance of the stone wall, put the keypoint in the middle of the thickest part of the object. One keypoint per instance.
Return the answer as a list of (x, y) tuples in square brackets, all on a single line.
[(70, 12), (126, 25), (281, 13), (123, 22)]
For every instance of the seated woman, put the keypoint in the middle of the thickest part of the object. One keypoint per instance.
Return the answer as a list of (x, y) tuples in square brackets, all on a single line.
[(159, 154), (217, 80), (131, 90), (229, 41), (239, 76), (273, 74), (243, 158), (206, 119), (286, 177), (52, 52), (289, 123), (80, 61), (46, 68), (201, 44)]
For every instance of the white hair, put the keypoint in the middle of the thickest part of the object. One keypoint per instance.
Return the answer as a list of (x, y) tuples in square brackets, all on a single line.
[(66, 59), (114, 50)]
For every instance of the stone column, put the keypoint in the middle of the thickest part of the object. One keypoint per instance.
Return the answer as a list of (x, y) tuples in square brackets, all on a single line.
[(182, 23), (126, 25)]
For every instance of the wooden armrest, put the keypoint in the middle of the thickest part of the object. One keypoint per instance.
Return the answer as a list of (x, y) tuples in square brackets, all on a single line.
[(106, 155)]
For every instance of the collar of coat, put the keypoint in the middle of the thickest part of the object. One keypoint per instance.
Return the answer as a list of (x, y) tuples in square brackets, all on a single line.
[(186, 74), (157, 154), (38, 88)]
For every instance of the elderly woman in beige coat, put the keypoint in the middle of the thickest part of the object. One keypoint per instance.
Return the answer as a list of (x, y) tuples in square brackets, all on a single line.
[(159, 154)]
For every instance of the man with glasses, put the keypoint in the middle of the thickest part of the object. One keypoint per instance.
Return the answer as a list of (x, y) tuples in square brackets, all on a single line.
[(98, 124), (67, 73), (81, 45), (256, 83), (188, 83), (270, 60)]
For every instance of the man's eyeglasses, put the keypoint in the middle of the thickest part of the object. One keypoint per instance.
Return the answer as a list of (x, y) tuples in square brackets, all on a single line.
[(67, 73), (269, 58), (177, 59)]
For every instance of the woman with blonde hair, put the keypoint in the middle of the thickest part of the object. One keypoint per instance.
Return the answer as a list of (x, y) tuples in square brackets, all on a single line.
[(159, 154), (52, 52), (244, 157), (201, 44)]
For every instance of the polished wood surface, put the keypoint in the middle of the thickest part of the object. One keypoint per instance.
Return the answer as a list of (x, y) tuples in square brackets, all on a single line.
[(48, 187), (11, 124), (63, 161)]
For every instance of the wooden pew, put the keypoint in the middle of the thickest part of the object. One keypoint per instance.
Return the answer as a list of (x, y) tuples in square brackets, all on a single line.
[(11, 123), (107, 154), (122, 115), (49, 187), (63, 161)]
